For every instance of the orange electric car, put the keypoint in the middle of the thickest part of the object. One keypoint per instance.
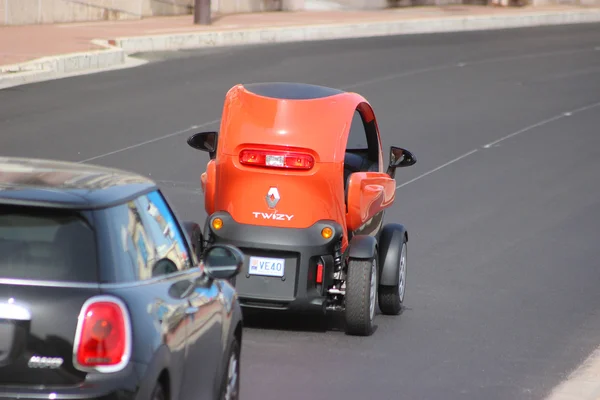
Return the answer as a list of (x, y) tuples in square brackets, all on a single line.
[(296, 180)]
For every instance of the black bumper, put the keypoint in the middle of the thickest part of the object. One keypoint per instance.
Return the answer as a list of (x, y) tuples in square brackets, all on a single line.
[(301, 250), (123, 385)]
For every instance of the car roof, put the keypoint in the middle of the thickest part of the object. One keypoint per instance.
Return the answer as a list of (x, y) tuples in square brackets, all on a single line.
[(63, 184), (291, 90), (316, 119)]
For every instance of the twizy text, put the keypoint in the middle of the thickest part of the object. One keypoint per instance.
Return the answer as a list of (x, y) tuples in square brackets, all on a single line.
[(274, 216)]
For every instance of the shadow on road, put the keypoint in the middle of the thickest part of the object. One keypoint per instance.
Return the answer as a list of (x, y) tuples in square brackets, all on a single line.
[(273, 320)]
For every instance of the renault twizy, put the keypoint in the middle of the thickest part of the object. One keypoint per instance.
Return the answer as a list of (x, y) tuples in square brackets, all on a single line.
[(296, 180)]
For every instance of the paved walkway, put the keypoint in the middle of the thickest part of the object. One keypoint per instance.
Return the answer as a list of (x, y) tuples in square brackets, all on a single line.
[(24, 43)]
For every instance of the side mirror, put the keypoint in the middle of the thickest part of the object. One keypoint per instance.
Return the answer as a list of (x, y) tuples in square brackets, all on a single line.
[(204, 141), (223, 261), (399, 158)]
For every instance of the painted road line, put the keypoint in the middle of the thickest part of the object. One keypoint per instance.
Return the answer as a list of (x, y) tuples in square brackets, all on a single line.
[(583, 383)]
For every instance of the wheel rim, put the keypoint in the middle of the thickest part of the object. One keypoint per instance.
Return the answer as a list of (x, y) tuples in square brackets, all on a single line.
[(402, 277), (373, 289), (231, 392)]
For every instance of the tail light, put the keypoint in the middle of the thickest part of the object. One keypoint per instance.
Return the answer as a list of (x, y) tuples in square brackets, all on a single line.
[(320, 272), (103, 337), (277, 159)]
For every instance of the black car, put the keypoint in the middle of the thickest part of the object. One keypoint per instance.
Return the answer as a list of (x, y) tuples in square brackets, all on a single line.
[(103, 293)]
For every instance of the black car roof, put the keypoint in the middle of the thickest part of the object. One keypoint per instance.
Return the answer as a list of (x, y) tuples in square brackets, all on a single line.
[(62, 184), (291, 90)]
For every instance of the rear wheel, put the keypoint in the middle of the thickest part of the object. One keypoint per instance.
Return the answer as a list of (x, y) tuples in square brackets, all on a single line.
[(158, 393), (391, 298), (361, 296)]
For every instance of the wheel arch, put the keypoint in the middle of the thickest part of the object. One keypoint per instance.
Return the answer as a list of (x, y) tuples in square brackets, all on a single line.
[(362, 247), (234, 331), (165, 380), (237, 333), (390, 244), (157, 371)]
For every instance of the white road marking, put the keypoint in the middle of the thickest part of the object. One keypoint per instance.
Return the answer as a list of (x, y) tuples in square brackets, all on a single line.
[(530, 127), (583, 383), (398, 75), (532, 55), (544, 122), (437, 169), (487, 146), (150, 141), (585, 108), (367, 82), (464, 64)]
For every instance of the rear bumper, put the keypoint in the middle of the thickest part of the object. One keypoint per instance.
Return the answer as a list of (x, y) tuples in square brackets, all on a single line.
[(301, 250), (124, 385)]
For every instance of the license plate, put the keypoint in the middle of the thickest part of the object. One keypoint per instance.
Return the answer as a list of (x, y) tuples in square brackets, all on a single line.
[(266, 266)]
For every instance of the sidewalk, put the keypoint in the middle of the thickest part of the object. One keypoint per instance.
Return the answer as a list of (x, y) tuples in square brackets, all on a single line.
[(105, 44)]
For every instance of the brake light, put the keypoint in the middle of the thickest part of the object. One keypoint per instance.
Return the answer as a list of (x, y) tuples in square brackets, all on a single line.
[(320, 272), (277, 159), (103, 339)]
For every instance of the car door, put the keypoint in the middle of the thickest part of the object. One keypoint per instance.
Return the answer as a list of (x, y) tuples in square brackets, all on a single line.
[(155, 287), (204, 307), (363, 142)]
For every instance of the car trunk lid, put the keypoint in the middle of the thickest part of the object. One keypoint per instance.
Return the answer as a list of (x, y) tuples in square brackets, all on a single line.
[(37, 334)]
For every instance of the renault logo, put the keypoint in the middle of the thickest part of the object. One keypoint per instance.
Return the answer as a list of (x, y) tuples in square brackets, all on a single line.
[(272, 197)]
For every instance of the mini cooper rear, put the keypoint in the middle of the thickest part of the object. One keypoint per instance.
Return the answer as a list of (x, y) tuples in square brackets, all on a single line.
[(102, 294)]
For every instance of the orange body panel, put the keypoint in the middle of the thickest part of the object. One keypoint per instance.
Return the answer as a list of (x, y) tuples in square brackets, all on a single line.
[(208, 186), (368, 194), (318, 127)]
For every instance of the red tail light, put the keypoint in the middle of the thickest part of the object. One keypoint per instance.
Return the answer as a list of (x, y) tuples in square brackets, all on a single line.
[(103, 338), (320, 272), (277, 159)]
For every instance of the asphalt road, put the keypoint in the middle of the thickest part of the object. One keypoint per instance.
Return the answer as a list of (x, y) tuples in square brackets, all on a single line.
[(502, 298)]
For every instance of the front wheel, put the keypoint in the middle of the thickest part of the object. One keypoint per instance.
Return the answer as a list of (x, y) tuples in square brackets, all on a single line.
[(231, 380), (361, 296), (391, 298)]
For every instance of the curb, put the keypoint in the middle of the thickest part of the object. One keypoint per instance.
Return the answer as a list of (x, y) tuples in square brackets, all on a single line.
[(288, 34), (54, 67), (118, 50)]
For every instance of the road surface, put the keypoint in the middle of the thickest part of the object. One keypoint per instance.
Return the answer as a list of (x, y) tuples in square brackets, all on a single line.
[(503, 205)]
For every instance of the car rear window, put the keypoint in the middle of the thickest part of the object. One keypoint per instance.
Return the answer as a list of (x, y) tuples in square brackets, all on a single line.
[(51, 245)]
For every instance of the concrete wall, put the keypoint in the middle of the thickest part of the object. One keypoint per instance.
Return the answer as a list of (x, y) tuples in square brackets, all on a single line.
[(19, 12), (413, 3), (554, 2), (380, 4), (23, 12)]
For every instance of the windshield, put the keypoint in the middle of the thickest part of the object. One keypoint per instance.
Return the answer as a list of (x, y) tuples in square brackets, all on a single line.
[(46, 244)]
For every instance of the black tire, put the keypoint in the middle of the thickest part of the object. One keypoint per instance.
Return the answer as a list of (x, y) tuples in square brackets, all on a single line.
[(158, 393), (391, 298), (232, 392), (359, 313)]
